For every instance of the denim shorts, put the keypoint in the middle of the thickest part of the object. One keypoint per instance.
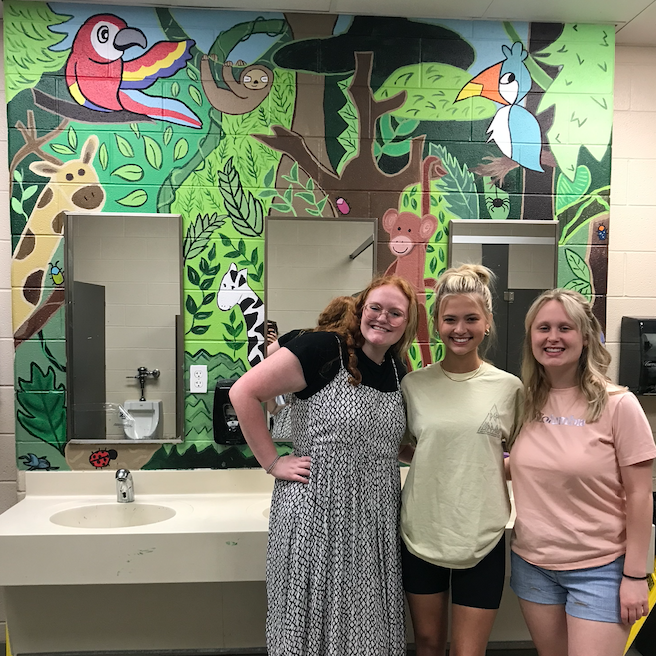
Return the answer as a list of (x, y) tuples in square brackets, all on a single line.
[(589, 594)]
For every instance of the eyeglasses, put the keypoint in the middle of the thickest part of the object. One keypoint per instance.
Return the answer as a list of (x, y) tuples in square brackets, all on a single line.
[(395, 317)]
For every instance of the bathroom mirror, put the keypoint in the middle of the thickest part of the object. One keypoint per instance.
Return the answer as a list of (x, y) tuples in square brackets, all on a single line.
[(524, 257), (310, 261), (123, 294)]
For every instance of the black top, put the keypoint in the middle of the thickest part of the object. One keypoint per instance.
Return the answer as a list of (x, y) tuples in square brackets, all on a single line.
[(319, 355), (287, 337)]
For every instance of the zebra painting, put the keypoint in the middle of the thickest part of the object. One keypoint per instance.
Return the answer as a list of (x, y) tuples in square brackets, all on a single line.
[(234, 290)]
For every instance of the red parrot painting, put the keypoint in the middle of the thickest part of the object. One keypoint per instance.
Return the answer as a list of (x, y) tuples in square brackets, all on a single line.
[(99, 79)]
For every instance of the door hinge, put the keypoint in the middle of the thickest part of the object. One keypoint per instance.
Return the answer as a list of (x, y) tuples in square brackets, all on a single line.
[(509, 296)]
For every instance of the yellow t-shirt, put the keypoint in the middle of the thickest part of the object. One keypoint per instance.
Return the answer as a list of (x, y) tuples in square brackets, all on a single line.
[(455, 503)]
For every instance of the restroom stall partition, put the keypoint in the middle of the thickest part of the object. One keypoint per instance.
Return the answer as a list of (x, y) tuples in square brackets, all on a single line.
[(523, 255), (85, 305), (86, 389)]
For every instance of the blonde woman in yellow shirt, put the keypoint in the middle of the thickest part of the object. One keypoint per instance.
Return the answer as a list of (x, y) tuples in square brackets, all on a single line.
[(455, 507)]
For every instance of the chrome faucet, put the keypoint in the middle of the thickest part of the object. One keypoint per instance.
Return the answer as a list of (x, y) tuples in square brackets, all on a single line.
[(124, 486)]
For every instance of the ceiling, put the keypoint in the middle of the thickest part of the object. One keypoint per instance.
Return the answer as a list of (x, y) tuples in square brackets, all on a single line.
[(634, 20)]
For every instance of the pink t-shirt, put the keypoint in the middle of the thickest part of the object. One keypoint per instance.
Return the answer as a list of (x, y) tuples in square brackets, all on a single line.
[(566, 480)]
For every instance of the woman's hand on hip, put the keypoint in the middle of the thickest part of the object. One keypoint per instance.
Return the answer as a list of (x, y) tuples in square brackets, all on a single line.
[(292, 468), (634, 600)]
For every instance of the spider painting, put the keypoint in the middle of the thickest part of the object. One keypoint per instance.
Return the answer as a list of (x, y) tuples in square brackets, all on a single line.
[(497, 204)]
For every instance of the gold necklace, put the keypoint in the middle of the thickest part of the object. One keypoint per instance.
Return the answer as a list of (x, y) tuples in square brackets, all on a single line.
[(461, 380)]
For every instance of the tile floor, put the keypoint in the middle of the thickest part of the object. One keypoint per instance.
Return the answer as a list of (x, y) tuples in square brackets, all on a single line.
[(494, 652)]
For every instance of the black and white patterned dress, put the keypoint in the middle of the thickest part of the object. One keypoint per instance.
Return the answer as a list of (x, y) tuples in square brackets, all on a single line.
[(333, 563)]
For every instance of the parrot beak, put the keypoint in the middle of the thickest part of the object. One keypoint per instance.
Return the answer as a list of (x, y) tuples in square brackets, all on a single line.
[(485, 84), (128, 37)]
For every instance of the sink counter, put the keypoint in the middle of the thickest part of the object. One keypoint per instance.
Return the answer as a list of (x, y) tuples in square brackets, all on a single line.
[(218, 532), (202, 569)]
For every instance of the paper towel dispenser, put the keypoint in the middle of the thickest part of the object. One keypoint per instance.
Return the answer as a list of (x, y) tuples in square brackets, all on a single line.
[(638, 354)]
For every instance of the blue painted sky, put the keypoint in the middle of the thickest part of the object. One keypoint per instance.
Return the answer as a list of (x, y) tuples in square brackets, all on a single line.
[(204, 25)]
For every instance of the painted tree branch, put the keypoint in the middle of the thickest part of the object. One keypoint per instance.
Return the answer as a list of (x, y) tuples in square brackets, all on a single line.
[(294, 145), (81, 114), (39, 319), (33, 144), (361, 174)]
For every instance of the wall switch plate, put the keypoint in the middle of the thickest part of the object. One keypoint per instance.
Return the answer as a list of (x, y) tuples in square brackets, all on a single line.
[(198, 378)]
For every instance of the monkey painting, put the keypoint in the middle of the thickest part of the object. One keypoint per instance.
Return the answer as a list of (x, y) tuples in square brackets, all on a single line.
[(240, 97), (408, 238), (409, 235)]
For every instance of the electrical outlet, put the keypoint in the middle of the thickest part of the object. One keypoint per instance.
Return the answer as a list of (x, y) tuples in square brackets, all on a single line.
[(198, 378)]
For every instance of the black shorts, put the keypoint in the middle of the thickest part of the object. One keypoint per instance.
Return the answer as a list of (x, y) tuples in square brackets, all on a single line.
[(480, 586)]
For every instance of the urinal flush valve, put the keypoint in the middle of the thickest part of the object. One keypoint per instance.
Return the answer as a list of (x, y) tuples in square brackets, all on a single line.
[(142, 374)]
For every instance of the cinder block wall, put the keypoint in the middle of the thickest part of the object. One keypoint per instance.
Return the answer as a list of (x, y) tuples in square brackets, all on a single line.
[(8, 487), (632, 258), (632, 237)]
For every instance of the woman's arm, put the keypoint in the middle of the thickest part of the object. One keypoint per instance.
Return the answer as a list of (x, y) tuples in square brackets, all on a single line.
[(406, 453), (279, 373), (637, 480)]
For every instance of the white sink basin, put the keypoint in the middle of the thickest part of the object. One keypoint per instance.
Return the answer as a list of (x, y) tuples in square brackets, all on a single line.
[(115, 515)]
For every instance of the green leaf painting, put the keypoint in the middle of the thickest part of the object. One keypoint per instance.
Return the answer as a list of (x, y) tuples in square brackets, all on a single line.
[(569, 191), (244, 209), (62, 149), (136, 198), (431, 90), (153, 152), (195, 95), (181, 149), (124, 146), (129, 172), (458, 185), (103, 157), (28, 39), (348, 139), (578, 265), (72, 138), (41, 403), (581, 286), (582, 93), (199, 233)]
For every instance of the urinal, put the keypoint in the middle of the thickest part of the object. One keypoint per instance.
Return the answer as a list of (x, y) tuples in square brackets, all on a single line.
[(145, 420)]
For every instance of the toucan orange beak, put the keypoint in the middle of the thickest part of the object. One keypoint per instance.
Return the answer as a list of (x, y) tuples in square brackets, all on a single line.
[(485, 84)]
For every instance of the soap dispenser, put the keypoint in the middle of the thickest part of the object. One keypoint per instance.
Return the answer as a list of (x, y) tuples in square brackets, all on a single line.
[(226, 424), (638, 355)]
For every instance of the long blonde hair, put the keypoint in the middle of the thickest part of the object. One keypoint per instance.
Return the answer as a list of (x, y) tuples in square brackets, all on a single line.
[(472, 280), (593, 362), (350, 331)]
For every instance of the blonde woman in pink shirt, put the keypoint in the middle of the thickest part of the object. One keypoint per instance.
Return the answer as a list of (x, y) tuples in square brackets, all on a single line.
[(581, 471)]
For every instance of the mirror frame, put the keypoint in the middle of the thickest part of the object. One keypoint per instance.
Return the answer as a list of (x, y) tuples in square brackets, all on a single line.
[(509, 231), (69, 268)]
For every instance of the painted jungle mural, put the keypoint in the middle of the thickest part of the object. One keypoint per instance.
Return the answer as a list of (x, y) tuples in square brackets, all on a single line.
[(229, 117)]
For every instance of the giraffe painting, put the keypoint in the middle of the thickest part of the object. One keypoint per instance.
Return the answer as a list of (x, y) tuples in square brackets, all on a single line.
[(74, 185), (235, 290)]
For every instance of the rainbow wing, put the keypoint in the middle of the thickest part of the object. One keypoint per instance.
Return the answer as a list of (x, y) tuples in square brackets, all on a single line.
[(160, 109), (163, 60)]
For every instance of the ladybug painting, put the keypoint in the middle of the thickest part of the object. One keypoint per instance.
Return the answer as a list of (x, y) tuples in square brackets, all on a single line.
[(102, 457), (602, 232)]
